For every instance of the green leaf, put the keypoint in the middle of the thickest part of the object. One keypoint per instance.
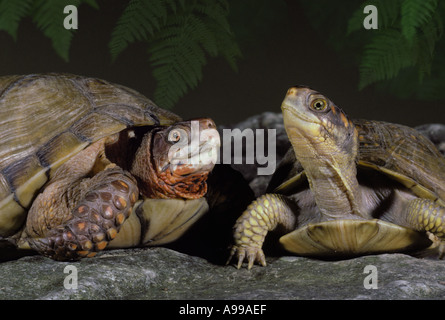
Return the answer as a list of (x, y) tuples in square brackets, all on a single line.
[(386, 54), (401, 56), (406, 85), (226, 45), (140, 20), (178, 51), (429, 34), (177, 58), (180, 35), (415, 13), (11, 12), (217, 12), (92, 3), (392, 48), (49, 17)]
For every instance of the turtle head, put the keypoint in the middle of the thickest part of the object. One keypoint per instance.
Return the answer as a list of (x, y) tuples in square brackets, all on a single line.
[(316, 126), (325, 142), (175, 161)]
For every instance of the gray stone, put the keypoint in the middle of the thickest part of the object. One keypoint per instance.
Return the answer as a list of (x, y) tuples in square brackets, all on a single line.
[(436, 133), (161, 273), (265, 121)]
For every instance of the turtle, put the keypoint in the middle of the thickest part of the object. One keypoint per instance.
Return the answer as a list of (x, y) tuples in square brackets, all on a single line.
[(86, 164), (345, 188)]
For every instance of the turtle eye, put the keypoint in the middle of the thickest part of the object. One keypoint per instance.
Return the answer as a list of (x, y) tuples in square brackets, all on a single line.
[(174, 135), (319, 104)]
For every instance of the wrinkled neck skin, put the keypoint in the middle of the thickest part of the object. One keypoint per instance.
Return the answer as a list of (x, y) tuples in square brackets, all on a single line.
[(331, 174), (164, 184)]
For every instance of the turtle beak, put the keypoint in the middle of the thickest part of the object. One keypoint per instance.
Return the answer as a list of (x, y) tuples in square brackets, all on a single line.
[(295, 114), (201, 152), (294, 102)]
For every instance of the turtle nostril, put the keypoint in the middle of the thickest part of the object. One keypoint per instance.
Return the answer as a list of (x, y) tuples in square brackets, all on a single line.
[(291, 92), (208, 124)]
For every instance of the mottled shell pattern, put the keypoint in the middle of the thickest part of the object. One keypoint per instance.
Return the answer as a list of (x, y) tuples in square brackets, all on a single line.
[(404, 154)]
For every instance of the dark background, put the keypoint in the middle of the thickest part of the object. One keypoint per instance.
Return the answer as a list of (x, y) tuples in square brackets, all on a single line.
[(293, 53)]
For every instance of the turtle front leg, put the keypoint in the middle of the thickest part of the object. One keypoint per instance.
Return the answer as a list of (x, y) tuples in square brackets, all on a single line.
[(263, 215), (69, 223), (427, 215)]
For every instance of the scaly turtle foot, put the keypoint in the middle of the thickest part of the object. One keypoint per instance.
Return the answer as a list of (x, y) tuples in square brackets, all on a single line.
[(95, 220)]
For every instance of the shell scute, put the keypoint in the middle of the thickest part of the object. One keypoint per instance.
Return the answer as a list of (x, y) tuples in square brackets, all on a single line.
[(404, 154)]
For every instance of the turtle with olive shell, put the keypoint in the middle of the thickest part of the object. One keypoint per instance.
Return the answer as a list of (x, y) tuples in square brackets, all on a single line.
[(346, 187), (86, 164)]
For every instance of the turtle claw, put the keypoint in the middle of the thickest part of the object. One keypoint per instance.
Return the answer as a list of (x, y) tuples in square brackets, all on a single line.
[(441, 250), (252, 254)]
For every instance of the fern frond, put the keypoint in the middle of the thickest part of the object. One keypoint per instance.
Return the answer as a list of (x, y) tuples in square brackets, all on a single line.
[(388, 14), (11, 12), (226, 46), (48, 16), (91, 3), (415, 13), (140, 19), (406, 85), (178, 50), (202, 33), (385, 56), (180, 34), (433, 86), (217, 12), (177, 58), (430, 33), (220, 28)]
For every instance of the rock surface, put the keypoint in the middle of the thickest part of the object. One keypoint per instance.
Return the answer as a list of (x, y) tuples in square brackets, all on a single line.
[(436, 133), (264, 121), (162, 273)]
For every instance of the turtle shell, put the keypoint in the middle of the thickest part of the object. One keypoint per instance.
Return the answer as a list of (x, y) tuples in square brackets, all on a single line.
[(405, 155), (351, 238), (45, 119), (400, 152)]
